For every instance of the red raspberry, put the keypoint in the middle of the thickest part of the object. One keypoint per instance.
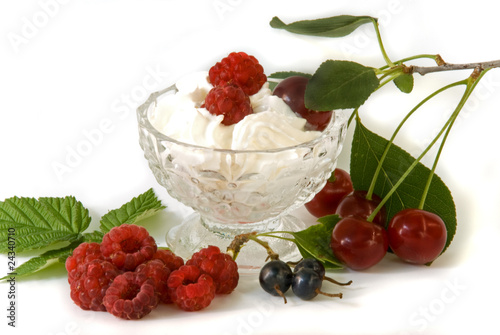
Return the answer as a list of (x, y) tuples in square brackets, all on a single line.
[(131, 296), (171, 260), (190, 289), (81, 255), (156, 270), (220, 266), (88, 290), (240, 69), (228, 100), (128, 246)]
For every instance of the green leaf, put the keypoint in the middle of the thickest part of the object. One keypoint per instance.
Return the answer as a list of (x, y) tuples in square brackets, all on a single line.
[(283, 75), (95, 236), (404, 82), (39, 223), (336, 26), (38, 263), (340, 84), (139, 208), (366, 151), (315, 242)]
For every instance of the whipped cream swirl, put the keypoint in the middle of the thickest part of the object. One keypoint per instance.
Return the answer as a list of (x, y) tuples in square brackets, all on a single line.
[(272, 125)]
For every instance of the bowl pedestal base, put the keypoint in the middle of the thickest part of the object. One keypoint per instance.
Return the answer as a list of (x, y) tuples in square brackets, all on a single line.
[(194, 233)]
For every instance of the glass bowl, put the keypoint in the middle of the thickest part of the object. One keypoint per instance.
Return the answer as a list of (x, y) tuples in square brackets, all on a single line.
[(238, 191)]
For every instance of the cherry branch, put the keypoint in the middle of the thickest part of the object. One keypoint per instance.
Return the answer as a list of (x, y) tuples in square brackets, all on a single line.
[(423, 70)]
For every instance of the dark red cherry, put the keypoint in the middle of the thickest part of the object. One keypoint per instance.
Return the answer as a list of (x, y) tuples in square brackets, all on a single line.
[(325, 202), (417, 236), (359, 244), (356, 205), (292, 91)]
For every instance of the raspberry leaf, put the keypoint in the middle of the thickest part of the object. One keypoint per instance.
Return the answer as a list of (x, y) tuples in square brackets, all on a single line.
[(336, 26), (139, 208), (37, 223), (340, 84), (95, 236), (41, 262), (366, 151)]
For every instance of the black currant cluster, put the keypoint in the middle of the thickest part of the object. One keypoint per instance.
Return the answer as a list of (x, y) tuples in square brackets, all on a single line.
[(306, 279)]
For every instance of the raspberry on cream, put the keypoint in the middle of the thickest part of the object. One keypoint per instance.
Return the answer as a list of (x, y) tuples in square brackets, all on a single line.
[(272, 125)]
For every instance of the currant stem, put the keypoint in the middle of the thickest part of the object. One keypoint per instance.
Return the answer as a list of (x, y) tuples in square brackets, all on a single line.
[(234, 248), (371, 189), (280, 293), (331, 280), (332, 295), (270, 253)]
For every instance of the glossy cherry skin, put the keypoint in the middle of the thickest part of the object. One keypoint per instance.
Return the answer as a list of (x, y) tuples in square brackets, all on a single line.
[(417, 236), (292, 91), (325, 202), (359, 244), (356, 205)]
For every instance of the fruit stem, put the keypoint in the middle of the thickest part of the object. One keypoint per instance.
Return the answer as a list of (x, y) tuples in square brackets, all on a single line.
[(381, 45), (270, 253), (280, 293), (471, 84), (332, 295), (239, 241), (423, 70), (436, 58), (371, 189), (331, 280)]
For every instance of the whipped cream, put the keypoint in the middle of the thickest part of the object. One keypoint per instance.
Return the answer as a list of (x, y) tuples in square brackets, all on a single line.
[(272, 125)]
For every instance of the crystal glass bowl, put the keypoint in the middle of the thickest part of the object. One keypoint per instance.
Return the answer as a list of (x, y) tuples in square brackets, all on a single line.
[(236, 191)]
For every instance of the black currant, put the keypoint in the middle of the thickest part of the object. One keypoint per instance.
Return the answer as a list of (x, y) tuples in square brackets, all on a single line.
[(306, 283), (319, 268), (310, 263), (276, 278)]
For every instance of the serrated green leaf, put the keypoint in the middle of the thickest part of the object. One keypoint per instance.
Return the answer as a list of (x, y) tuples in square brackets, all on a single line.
[(404, 82), (315, 242), (139, 208), (340, 84), (366, 151), (40, 223), (38, 263), (336, 26), (283, 75), (95, 236)]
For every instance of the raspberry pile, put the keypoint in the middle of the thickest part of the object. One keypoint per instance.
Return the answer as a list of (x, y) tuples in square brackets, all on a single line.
[(128, 276), (234, 78)]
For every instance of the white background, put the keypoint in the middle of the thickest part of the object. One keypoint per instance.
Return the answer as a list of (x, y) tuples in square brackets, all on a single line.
[(73, 72)]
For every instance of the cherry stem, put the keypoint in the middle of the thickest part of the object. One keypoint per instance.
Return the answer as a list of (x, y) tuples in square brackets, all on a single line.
[(436, 58), (381, 45), (423, 70), (391, 140), (471, 84)]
